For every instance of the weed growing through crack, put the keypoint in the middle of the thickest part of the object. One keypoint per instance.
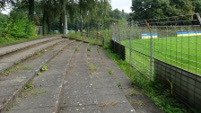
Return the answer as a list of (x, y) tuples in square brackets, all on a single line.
[(98, 49), (119, 85), (92, 68), (38, 74), (38, 53), (133, 93), (110, 72), (78, 48), (4, 101), (108, 104), (139, 103), (89, 47), (10, 107), (27, 68), (34, 93), (28, 86), (44, 68), (15, 68)]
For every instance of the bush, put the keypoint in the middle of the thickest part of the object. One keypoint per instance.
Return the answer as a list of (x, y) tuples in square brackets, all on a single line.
[(3, 24), (17, 25)]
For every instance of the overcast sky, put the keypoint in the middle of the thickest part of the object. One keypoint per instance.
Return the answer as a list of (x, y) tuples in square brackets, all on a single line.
[(122, 4)]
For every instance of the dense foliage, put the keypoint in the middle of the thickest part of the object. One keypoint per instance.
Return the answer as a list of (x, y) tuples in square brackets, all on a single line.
[(152, 9), (17, 25), (54, 15)]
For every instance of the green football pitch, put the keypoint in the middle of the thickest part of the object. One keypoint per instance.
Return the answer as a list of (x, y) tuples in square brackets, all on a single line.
[(183, 52)]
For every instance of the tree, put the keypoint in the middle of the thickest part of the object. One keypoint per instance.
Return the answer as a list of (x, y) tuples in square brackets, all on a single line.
[(196, 6), (151, 9)]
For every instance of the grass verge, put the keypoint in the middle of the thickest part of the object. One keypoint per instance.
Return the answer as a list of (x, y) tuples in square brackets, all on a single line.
[(154, 90), (8, 41), (83, 37)]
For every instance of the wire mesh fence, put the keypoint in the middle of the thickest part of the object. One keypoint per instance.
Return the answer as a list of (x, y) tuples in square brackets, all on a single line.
[(168, 50), (175, 40)]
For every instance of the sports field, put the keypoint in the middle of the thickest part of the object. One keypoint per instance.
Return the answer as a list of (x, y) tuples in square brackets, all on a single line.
[(183, 52)]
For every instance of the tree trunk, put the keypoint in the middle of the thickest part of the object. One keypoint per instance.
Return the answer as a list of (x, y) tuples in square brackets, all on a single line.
[(81, 23), (44, 22), (31, 10), (48, 25), (65, 24), (60, 24)]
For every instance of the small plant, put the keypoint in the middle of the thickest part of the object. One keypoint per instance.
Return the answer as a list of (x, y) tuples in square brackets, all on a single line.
[(28, 86), (89, 47), (27, 68), (98, 49), (44, 68), (171, 86), (140, 103), (34, 93), (78, 48), (38, 74), (16, 68), (4, 101), (38, 53), (110, 72), (92, 68), (133, 93), (10, 107), (108, 104), (119, 85)]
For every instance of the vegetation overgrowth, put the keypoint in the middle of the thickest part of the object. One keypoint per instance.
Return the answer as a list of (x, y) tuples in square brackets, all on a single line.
[(16, 27), (98, 38), (153, 89)]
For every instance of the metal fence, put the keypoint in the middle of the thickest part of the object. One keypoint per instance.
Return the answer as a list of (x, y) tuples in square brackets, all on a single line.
[(167, 49), (175, 40)]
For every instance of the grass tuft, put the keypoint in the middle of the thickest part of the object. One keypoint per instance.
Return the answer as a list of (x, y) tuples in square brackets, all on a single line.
[(92, 68), (110, 72), (16, 68)]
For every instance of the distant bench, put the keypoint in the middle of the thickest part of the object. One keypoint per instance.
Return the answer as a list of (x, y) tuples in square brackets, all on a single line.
[(148, 35), (188, 33)]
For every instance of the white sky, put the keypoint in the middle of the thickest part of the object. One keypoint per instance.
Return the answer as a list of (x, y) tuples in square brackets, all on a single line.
[(122, 4)]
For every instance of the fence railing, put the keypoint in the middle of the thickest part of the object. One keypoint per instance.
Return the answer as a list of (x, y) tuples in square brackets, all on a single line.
[(167, 49)]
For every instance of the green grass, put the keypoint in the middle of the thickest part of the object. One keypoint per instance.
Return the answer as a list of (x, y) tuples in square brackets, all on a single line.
[(16, 68), (153, 89), (182, 52), (8, 41), (83, 37)]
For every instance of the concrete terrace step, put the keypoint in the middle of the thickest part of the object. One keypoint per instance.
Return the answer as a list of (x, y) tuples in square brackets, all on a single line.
[(16, 47), (12, 85), (77, 81), (10, 60), (45, 96), (88, 88), (127, 87)]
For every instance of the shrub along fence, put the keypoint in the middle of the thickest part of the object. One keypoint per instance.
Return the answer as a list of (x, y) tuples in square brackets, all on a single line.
[(167, 50)]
